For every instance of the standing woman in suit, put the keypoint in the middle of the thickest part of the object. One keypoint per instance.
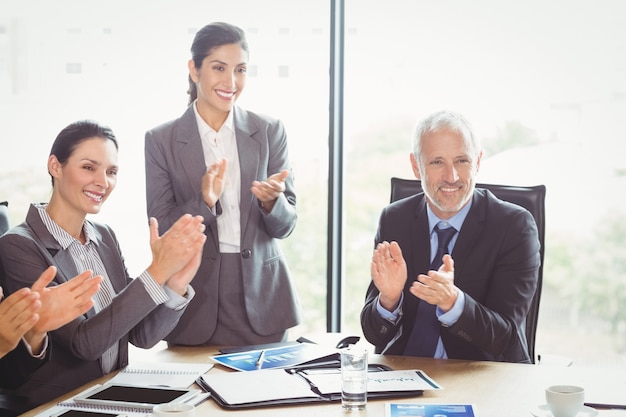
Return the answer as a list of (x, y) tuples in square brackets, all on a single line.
[(83, 166), (230, 166)]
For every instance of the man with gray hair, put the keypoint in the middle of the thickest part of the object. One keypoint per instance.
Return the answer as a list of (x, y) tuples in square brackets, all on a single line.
[(454, 268)]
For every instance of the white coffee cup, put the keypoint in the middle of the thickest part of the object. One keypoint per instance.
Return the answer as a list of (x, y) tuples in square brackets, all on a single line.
[(565, 400), (173, 410)]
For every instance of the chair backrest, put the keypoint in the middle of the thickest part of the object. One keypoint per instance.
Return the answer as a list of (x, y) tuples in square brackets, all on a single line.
[(532, 198), (4, 217)]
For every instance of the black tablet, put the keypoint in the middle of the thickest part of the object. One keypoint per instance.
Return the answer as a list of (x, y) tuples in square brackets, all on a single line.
[(134, 396)]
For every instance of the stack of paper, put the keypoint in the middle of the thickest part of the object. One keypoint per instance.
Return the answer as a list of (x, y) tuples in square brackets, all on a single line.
[(174, 375)]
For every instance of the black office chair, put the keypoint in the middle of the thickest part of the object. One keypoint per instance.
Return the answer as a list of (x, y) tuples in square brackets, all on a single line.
[(4, 217), (532, 199)]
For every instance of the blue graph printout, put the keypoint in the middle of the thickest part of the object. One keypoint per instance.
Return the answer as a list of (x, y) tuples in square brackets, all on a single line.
[(280, 357), (428, 410)]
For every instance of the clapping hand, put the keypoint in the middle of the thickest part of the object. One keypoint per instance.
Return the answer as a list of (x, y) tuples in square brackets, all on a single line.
[(213, 182), (389, 273), (177, 252), (62, 303), (18, 314), (437, 287), (268, 191), (32, 312)]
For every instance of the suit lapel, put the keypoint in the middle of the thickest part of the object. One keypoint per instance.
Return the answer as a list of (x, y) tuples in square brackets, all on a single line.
[(110, 258), (248, 149), (61, 259), (66, 268), (188, 145), (471, 231), (420, 239), (420, 246)]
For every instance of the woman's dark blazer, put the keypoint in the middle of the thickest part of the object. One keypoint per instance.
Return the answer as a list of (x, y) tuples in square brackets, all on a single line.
[(174, 168), (25, 252)]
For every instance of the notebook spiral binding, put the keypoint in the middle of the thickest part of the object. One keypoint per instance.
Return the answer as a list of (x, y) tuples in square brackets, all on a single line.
[(101, 407), (157, 371)]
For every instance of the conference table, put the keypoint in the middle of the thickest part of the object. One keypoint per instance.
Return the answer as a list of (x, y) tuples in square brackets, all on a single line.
[(495, 389)]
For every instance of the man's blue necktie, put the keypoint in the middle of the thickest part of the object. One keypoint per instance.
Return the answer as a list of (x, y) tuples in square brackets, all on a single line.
[(425, 333)]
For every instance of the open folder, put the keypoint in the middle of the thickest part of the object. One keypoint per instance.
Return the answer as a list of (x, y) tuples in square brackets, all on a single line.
[(269, 387)]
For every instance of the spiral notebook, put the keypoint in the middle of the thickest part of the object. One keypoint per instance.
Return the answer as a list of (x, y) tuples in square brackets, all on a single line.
[(113, 411), (168, 374)]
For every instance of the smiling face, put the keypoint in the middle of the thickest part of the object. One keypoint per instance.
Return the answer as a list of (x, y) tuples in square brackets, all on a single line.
[(87, 178), (447, 167), (220, 80)]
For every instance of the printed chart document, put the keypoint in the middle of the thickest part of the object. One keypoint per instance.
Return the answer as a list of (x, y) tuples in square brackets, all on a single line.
[(429, 410), (384, 382), (279, 357), (168, 374)]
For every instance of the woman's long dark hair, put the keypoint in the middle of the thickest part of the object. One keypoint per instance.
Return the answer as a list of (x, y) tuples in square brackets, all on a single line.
[(206, 40)]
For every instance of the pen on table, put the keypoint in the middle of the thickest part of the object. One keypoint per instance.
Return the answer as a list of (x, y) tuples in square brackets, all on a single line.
[(600, 406), (259, 362)]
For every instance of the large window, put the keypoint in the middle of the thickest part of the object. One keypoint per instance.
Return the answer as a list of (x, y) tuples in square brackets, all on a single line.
[(543, 82), (125, 65)]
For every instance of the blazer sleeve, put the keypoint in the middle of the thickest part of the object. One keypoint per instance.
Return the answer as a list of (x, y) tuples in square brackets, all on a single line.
[(398, 222), (17, 365), (132, 311), (377, 330), (281, 221)]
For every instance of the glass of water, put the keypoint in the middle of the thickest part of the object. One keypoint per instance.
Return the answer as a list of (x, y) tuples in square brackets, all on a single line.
[(353, 378)]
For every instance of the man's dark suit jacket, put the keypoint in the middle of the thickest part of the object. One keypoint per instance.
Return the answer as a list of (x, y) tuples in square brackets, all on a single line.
[(496, 263), (15, 368), (17, 365)]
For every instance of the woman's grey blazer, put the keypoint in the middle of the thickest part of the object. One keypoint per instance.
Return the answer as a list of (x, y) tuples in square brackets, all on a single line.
[(25, 252), (174, 168)]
